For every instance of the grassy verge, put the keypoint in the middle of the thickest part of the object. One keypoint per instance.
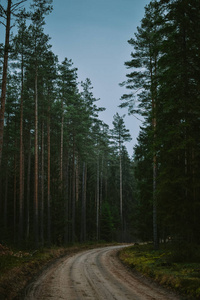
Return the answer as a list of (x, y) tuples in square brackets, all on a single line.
[(168, 266), (18, 268)]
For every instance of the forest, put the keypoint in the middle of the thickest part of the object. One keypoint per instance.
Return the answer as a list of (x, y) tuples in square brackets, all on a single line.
[(65, 176)]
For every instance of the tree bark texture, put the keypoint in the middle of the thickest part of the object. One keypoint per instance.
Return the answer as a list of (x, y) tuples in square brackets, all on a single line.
[(42, 189), (21, 161), (36, 162), (121, 192), (83, 210), (28, 190), (49, 175), (61, 146), (97, 200), (4, 78)]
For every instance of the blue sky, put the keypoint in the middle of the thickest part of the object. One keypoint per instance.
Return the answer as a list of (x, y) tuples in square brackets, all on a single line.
[(94, 34)]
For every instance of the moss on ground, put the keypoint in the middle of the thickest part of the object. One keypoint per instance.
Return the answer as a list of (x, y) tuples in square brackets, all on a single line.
[(177, 271)]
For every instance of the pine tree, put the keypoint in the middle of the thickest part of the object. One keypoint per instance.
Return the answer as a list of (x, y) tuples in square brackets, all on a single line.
[(92, 135), (20, 56), (120, 135), (7, 13), (39, 40), (180, 110), (143, 83)]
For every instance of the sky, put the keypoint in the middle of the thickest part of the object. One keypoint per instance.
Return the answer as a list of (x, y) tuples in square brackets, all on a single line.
[(95, 34)]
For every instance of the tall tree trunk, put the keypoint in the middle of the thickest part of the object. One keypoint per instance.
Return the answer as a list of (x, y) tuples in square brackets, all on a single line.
[(121, 199), (42, 189), (36, 163), (70, 180), (66, 235), (106, 181), (155, 230), (15, 199), (83, 210), (101, 184), (97, 200), (21, 162), (6, 200), (49, 176), (4, 77), (61, 147), (73, 193), (1, 200), (28, 190), (154, 123), (77, 179), (6, 177)]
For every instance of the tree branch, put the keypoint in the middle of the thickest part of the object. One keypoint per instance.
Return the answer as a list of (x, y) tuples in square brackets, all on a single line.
[(16, 5), (2, 24), (2, 11)]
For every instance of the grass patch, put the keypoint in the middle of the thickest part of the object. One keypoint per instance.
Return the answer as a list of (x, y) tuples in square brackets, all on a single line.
[(168, 266), (18, 268)]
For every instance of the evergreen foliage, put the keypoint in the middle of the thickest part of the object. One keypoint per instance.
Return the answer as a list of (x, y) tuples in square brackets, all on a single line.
[(58, 161), (163, 79)]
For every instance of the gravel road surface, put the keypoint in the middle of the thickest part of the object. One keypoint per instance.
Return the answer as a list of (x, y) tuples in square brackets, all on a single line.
[(94, 274)]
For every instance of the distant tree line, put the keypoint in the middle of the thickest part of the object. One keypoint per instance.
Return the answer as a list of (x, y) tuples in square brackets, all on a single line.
[(64, 175), (164, 85)]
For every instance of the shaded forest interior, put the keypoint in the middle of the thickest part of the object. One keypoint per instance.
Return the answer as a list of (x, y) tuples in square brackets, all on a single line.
[(65, 176)]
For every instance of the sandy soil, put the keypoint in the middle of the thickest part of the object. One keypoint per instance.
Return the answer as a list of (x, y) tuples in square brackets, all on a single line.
[(94, 274)]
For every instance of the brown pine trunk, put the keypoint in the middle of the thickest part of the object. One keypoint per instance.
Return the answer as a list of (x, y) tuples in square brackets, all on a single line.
[(70, 176), (97, 201), (6, 201), (154, 121), (42, 189), (48, 177), (121, 199), (77, 179), (61, 147), (6, 158), (155, 231), (83, 208), (73, 194), (106, 182), (4, 78), (21, 163), (66, 235), (36, 164), (28, 190), (101, 185), (15, 199)]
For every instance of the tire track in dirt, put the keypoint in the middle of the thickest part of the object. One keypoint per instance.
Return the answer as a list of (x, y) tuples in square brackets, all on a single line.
[(95, 274)]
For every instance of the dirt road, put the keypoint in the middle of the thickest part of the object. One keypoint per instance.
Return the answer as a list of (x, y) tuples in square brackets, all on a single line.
[(94, 274)]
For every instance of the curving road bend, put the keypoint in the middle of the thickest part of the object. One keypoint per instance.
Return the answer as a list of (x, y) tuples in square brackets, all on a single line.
[(96, 275)]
